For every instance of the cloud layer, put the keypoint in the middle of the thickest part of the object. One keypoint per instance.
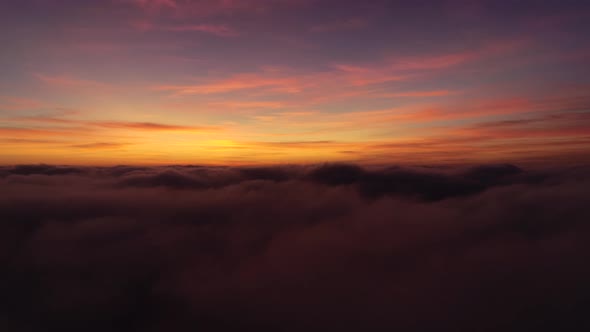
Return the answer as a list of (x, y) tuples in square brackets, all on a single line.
[(294, 248)]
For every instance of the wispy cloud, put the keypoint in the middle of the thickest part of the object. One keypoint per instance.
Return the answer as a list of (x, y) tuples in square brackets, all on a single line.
[(349, 24), (208, 8), (247, 104), (27, 133), (237, 82), (28, 141), (286, 82), (142, 126), (150, 5), (344, 79), (151, 126), (214, 29), (220, 30), (429, 93), (73, 82), (552, 125), (100, 146), (9, 103), (431, 62)]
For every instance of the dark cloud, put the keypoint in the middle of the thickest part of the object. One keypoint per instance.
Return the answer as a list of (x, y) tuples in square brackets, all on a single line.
[(266, 173), (41, 169), (294, 249), (166, 178), (419, 184), (492, 173), (122, 169), (336, 174), (425, 182)]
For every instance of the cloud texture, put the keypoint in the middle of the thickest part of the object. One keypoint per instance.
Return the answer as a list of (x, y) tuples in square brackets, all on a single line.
[(332, 247)]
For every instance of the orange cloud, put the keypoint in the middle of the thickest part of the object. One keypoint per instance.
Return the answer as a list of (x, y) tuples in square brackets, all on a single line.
[(100, 146), (248, 104), (287, 82), (528, 132), (343, 79), (431, 93), (401, 118), (235, 83), (150, 126), (27, 133), (18, 104), (27, 141), (45, 119)]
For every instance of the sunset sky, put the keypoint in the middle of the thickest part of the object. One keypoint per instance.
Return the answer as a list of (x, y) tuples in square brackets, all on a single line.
[(294, 165), (293, 81)]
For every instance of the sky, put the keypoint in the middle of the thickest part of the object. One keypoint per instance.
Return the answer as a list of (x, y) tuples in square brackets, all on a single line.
[(250, 82), (294, 165)]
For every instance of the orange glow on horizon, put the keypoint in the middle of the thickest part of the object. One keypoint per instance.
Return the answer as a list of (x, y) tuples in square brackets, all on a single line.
[(165, 82)]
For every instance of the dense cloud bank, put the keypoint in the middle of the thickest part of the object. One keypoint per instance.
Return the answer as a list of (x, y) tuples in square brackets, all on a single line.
[(332, 247)]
